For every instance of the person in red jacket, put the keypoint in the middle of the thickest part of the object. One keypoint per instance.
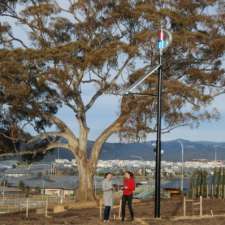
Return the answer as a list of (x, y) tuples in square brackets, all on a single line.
[(128, 189)]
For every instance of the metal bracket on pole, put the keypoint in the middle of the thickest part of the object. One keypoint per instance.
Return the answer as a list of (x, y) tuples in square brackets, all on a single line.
[(139, 82)]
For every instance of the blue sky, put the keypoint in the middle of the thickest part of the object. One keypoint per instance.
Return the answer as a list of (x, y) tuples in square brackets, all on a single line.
[(107, 108)]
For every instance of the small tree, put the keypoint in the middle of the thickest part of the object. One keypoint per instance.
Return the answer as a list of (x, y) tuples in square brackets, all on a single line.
[(4, 183), (198, 183), (39, 174), (38, 190), (21, 185)]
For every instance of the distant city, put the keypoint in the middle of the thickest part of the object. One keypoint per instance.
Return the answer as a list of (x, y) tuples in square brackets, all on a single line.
[(57, 170)]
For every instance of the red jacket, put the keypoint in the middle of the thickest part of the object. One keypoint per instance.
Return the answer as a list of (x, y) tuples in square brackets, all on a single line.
[(128, 186)]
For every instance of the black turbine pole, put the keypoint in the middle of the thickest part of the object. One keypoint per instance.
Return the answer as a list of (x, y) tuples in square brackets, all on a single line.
[(162, 45), (158, 140)]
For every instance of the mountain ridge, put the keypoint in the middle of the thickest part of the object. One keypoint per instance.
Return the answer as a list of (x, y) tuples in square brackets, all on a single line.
[(145, 150)]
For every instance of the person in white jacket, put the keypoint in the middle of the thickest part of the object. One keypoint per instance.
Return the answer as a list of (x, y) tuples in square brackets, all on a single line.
[(107, 189)]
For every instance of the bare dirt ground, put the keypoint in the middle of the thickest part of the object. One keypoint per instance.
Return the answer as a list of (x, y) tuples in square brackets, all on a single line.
[(170, 210)]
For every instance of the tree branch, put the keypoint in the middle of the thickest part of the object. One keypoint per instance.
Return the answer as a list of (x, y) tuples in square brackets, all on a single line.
[(18, 40), (168, 129), (93, 99), (114, 127), (8, 137), (40, 150), (60, 124), (47, 135), (68, 134), (104, 88), (58, 145), (120, 70)]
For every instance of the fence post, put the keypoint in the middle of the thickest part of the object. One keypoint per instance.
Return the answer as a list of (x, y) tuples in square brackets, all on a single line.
[(120, 209), (61, 199), (207, 191), (184, 206), (211, 211), (46, 207), (200, 206), (100, 209), (212, 191), (223, 191), (18, 205), (27, 208)]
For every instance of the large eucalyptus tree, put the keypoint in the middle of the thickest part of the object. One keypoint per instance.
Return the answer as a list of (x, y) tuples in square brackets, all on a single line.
[(71, 46)]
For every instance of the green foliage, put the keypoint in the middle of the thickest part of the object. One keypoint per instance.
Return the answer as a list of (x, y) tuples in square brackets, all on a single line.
[(40, 174), (38, 190), (198, 184), (4, 183), (202, 184), (24, 188), (21, 185)]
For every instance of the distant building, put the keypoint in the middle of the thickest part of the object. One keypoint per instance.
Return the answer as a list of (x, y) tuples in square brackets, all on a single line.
[(18, 172), (57, 191), (11, 190), (8, 164), (34, 169), (62, 161), (50, 185)]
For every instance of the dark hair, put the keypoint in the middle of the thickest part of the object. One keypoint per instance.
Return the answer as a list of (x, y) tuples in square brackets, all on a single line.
[(130, 173), (106, 174)]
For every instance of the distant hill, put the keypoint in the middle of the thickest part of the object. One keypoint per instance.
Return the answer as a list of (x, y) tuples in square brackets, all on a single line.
[(172, 151)]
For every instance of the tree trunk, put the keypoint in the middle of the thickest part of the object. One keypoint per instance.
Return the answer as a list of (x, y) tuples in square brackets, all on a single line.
[(85, 191)]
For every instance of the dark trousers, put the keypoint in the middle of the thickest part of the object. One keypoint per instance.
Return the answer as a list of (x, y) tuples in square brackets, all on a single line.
[(107, 212), (127, 199)]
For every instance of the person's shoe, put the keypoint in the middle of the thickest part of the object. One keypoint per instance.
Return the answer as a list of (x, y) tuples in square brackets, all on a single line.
[(122, 220)]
